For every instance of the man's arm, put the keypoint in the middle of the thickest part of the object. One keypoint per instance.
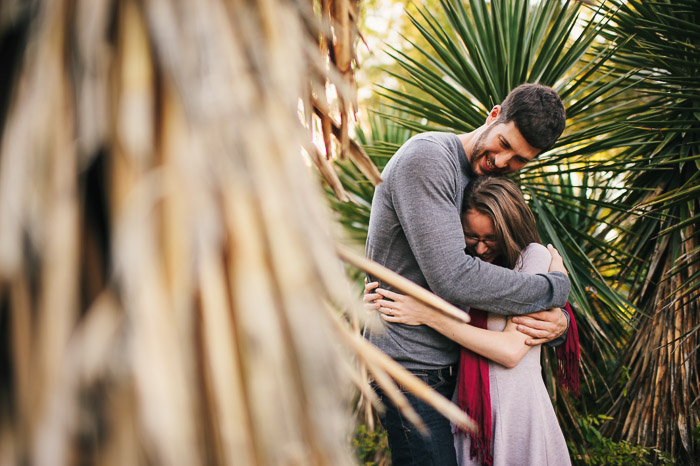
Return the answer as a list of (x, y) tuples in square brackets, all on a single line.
[(423, 195)]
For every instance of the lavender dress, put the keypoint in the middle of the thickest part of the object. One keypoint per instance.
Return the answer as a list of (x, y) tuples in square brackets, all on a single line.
[(525, 427)]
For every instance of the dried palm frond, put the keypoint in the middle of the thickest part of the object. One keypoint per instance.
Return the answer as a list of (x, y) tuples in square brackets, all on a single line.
[(337, 36), (402, 284), (165, 258)]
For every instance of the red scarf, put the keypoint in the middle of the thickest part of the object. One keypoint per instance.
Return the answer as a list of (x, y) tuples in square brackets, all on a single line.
[(474, 394), (474, 390)]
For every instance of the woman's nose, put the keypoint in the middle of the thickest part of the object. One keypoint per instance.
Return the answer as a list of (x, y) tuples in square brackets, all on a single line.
[(481, 248)]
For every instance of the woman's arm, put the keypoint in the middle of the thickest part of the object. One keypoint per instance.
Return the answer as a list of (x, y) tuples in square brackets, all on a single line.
[(507, 347)]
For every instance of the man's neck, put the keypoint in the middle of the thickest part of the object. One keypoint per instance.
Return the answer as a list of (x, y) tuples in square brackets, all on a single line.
[(467, 140)]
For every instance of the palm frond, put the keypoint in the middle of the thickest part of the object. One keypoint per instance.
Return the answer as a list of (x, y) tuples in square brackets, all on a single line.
[(661, 54)]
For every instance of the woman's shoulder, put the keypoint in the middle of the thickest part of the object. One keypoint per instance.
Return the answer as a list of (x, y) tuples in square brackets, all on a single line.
[(535, 258), (537, 249)]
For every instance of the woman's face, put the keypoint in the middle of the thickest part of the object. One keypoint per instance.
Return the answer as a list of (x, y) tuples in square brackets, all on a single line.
[(480, 235)]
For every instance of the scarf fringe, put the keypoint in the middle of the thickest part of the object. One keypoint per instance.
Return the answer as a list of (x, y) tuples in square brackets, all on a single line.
[(569, 357)]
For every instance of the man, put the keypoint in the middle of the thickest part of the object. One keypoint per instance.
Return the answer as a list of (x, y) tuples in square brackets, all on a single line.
[(415, 230)]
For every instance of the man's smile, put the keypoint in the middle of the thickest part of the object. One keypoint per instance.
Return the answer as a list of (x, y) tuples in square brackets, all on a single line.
[(487, 165)]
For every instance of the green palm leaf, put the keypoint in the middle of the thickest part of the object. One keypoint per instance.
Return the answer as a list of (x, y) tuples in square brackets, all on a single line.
[(659, 49)]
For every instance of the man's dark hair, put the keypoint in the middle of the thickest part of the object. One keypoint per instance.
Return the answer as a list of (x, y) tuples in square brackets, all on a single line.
[(538, 113)]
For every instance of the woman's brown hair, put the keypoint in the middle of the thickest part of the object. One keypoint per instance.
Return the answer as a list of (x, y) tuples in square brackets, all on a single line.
[(501, 200)]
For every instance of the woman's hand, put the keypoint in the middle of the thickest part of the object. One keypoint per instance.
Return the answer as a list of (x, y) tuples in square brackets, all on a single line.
[(396, 307), (557, 264), (370, 297), (402, 309)]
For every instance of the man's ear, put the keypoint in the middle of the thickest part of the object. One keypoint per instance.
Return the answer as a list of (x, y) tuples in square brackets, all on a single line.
[(493, 114)]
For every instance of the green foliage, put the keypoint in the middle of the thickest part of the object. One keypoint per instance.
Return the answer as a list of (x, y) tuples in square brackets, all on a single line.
[(371, 447), (624, 379), (658, 157), (484, 50), (385, 24), (598, 449), (658, 48), (380, 142)]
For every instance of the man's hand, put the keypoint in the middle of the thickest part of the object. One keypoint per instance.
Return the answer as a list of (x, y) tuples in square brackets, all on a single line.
[(543, 326)]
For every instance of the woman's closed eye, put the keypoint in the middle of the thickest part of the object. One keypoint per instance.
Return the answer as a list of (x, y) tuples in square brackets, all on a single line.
[(489, 241)]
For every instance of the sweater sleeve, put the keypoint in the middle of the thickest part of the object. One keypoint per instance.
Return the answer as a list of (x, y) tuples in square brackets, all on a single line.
[(423, 194)]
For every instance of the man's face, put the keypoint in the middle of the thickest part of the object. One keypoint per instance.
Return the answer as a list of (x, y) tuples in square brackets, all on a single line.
[(500, 149)]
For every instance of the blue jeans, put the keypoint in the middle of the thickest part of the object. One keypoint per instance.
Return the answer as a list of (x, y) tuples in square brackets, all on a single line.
[(408, 446)]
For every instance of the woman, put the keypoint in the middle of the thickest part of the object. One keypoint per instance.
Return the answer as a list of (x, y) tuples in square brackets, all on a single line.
[(506, 395)]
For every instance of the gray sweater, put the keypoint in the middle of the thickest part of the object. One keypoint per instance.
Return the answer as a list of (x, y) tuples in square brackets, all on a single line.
[(415, 230)]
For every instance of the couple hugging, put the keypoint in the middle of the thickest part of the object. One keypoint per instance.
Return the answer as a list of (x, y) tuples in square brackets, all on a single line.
[(441, 193)]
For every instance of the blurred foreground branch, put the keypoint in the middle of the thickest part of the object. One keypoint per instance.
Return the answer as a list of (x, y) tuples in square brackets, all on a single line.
[(164, 253)]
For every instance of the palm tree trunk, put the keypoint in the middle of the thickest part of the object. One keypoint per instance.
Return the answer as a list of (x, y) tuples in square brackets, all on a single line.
[(660, 403)]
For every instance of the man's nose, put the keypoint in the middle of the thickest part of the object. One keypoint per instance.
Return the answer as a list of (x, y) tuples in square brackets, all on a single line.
[(502, 160)]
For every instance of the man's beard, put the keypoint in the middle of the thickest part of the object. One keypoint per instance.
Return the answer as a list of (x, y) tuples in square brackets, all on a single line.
[(478, 147)]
